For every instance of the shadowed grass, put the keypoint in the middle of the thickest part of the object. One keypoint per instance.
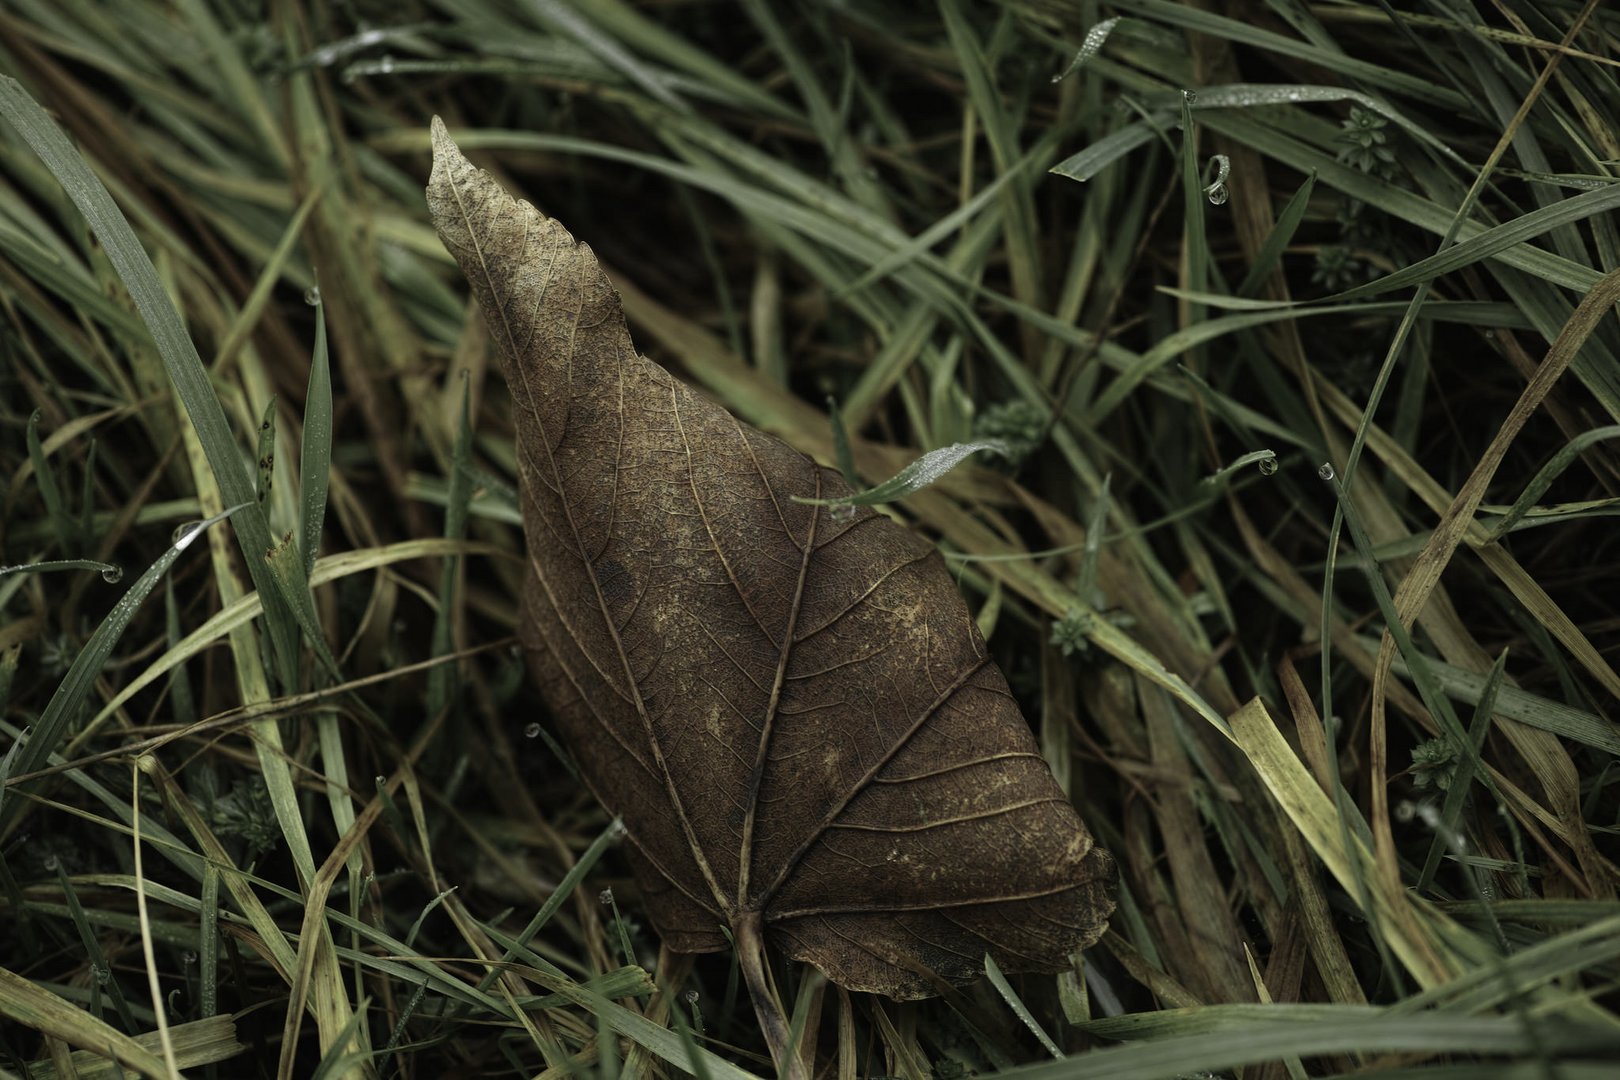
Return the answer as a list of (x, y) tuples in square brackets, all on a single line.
[(1310, 599)]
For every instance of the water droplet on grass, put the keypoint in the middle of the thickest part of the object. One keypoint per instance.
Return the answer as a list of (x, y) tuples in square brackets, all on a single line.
[(532, 731), (1089, 48), (1189, 96), (1216, 188), (112, 575), (312, 296), (1268, 466), (1326, 471)]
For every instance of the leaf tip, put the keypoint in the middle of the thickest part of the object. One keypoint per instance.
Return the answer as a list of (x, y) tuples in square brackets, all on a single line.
[(443, 145)]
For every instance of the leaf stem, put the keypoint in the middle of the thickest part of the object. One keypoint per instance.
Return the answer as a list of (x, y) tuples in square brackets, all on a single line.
[(749, 931)]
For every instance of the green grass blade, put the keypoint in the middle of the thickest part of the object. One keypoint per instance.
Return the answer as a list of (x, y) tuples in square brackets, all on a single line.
[(1016, 1004), (67, 532), (315, 454), (100, 969), (916, 476), (109, 572), (1493, 241), (266, 456), (1538, 485), (441, 681), (1095, 38), (565, 888), (1270, 253), (74, 691), (1261, 1042), (1085, 164), (1446, 833), (842, 454), (180, 357)]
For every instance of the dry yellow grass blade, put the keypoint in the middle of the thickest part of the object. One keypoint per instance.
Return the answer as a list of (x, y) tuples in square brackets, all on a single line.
[(200, 1042), (246, 608), (39, 1010), (1496, 558), (316, 962), (1423, 578), (1213, 931), (1413, 936), (1541, 751), (1416, 589), (331, 1000)]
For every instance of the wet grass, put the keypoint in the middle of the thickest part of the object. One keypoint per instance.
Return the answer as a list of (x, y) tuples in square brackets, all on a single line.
[(1298, 322)]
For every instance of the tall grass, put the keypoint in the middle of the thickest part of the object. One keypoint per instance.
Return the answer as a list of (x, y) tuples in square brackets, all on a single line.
[(1297, 324)]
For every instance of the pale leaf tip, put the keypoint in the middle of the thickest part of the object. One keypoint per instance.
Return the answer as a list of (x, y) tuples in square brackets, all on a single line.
[(444, 147)]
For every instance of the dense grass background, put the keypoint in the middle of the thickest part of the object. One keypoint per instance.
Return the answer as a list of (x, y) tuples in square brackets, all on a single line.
[(1282, 302)]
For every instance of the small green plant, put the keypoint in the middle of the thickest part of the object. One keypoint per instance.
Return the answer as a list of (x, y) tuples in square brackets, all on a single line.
[(247, 814), (1069, 633), (1337, 268), (1019, 424), (1434, 764), (1364, 143)]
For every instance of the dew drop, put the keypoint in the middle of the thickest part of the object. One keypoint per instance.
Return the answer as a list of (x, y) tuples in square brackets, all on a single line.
[(312, 296), (112, 575), (1089, 48), (101, 974), (386, 65), (52, 862), (188, 957), (605, 896), (1268, 466), (1189, 96), (1326, 471), (691, 997), (185, 534), (532, 731), (841, 512), (1216, 188)]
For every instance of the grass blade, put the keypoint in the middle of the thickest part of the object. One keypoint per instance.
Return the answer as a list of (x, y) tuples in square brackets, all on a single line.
[(916, 476), (74, 691), (180, 357), (315, 454)]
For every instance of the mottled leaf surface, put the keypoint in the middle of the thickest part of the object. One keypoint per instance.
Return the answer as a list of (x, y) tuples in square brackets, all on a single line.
[(791, 708)]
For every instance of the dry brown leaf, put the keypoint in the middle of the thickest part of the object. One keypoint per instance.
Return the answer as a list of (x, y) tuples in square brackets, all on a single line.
[(792, 711)]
